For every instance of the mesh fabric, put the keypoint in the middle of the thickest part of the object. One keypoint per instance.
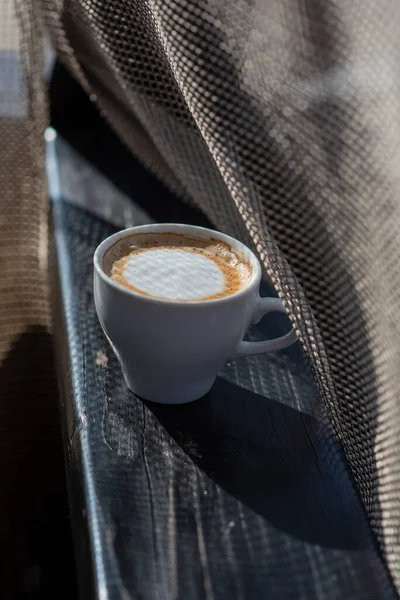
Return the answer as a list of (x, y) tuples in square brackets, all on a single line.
[(281, 121)]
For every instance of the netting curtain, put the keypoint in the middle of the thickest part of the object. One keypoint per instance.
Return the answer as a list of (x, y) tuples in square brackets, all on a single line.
[(281, 120)]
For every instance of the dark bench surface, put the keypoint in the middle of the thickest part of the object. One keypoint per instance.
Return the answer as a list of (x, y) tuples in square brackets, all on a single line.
[(242, 494)]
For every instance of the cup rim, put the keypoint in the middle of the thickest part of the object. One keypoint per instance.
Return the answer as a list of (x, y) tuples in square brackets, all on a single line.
[(175, 228)]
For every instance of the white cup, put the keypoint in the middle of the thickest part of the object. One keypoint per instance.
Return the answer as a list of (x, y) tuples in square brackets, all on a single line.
[(171, 351)]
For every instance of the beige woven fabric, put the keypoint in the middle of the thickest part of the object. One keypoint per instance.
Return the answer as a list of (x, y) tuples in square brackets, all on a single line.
[(24, 205), (31, 503), (280, 120)]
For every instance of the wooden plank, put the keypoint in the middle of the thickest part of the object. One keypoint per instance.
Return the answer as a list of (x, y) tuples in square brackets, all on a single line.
[(243, 494)]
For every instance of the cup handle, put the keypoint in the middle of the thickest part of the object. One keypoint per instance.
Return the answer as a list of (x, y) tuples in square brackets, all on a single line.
[(264, 306)]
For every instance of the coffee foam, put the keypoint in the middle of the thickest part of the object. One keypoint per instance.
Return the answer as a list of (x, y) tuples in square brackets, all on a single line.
[(176, 267)]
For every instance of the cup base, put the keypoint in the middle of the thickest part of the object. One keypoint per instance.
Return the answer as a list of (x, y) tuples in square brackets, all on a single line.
[(168, 401), (181, 396)]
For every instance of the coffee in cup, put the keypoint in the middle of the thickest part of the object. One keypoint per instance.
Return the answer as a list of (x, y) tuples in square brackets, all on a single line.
[(173, 266), (175, 302)]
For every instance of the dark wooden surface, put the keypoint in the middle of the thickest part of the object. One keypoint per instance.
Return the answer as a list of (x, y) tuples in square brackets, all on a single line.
[(244, 494)]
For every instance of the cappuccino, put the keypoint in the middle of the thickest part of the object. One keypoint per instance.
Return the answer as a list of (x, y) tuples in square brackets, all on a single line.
[(171, 266)]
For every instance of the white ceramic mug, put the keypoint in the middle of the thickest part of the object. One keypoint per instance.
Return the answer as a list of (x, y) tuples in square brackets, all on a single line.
[(171, 351)]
